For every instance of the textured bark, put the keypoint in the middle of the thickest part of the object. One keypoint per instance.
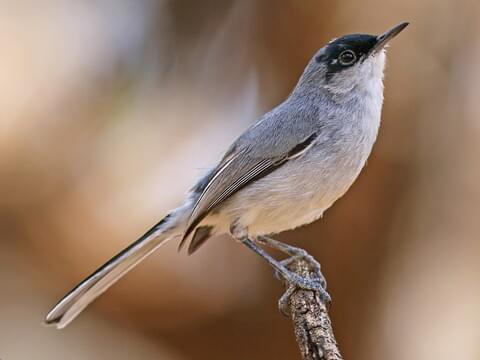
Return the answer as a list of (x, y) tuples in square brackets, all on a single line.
[(312, 325)]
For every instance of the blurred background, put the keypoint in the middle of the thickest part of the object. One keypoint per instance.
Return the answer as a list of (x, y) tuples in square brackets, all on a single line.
[(109, 111)]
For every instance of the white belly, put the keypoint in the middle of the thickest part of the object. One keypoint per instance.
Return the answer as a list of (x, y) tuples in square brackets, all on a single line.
[(294, 195)]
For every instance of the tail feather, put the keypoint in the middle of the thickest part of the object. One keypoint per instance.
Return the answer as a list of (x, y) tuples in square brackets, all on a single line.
[(92, 287)]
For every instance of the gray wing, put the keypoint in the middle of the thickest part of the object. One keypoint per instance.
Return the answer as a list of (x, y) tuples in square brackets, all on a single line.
[(240, 166)]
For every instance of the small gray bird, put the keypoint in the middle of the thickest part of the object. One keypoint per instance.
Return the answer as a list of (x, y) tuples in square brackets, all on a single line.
[(281, 173)]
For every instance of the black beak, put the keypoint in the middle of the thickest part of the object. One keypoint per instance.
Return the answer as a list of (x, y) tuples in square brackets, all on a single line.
[(384, 38)]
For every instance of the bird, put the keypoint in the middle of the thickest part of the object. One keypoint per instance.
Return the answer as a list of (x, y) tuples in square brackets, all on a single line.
[(283, 172)]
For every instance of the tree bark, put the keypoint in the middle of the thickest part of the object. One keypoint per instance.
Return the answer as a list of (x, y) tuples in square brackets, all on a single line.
[(311, 322)]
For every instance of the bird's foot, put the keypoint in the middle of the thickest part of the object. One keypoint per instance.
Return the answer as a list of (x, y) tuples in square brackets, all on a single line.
[(296, 254), (283, 270), (295, 282)]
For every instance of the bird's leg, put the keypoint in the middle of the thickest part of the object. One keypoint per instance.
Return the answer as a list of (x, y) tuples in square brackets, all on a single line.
[(288, 275), (292, 279), (295, 253)]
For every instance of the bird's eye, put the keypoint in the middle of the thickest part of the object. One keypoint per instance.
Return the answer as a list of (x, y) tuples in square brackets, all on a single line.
[(347, 57)]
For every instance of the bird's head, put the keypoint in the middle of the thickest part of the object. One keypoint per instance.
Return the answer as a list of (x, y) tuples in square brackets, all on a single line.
[(350, 62)]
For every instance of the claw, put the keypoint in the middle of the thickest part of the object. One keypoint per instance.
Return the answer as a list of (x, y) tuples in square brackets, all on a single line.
[(284, 301), (296, 282), (325, 298)]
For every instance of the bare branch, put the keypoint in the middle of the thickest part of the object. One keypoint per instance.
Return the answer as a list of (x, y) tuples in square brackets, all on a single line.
[(312, 325)]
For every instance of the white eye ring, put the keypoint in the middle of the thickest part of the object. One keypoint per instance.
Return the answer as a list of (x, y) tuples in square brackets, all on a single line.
[(347, 57)]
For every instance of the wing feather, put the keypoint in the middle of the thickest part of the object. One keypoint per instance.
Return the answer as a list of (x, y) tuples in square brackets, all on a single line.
[(236, 171)]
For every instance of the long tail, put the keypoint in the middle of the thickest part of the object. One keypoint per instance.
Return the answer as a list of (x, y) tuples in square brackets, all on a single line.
[(92, 287)]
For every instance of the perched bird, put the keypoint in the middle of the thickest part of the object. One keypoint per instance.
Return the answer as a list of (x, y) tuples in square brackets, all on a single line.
[(282, 172)]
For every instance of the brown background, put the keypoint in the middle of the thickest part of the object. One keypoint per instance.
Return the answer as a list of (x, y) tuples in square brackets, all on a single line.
[(109, 111)]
